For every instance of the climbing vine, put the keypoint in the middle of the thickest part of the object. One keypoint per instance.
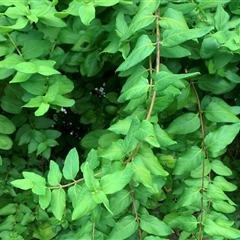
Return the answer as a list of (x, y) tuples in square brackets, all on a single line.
[(119, 119)]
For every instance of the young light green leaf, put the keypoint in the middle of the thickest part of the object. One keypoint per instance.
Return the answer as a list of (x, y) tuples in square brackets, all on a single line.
[(219, 168), (23, 184), (116, 181), (58, 203), (189, 161), (51, 93), (144, 47), (135, 91), (6, 126), (54, 174), (124, 228), (162, 137), (184, 124), (73, 193), (217, 141), (42, 109), (39, 182), (121, 126), (86, 12), (219, 111), (47, 71), (105, 3), (44, 200), (92, 159), (26, 67), (63, 101), (222, 183), (153, 225), (71, 165), (146, 133)]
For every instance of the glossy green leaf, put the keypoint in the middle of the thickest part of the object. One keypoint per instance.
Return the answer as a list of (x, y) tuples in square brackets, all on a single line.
[(58, 203), (186, 223), (86, 13), (143, 49), (62, 101), (214, 229), (135, 91), (114, 182), (71, 165), (39, 182), (6, 126), (174, 37), (222, 183), (184, 124), (189, 161), (42, 109), (51, 93), (153, 225), (124, 228), (219, 111), (21, 77), (26, 67), (47, 71), (54, 174), (217, 141)]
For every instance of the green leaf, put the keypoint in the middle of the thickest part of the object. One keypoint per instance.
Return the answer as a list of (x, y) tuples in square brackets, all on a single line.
[(151, 162), (146, 133), (34, 102), (6, 126), (222, 183), (121, 126), (174, 37), (8, 209), (186, 223), (153, 225), (221, 19), (21, 77), (144, 47), (44, 200), (91, 182), (84, 206), (135, 91), (217, 141), (214, 229), (219, 111), (86, 13), (114, 152), (162, 137), (39, 182), (114, 182), (120, 201), (130, 142), (100, 197), (105, 3), (223, 207), (23, 184), (92, 159), (42, 109), (54, 174), (58, 203), (62, 101), (51, 93), (124, 228), (47, 71), (184, 124), (26, 67), (190, 197), (71, 165), (73, 193), (142, 174), (190, 160), (219, 168), (90, 140)]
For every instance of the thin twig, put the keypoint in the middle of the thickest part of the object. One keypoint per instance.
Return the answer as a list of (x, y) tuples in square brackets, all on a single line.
[(14, 44)]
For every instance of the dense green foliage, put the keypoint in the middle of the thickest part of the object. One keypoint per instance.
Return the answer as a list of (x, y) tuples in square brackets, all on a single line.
[(119, 119)]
